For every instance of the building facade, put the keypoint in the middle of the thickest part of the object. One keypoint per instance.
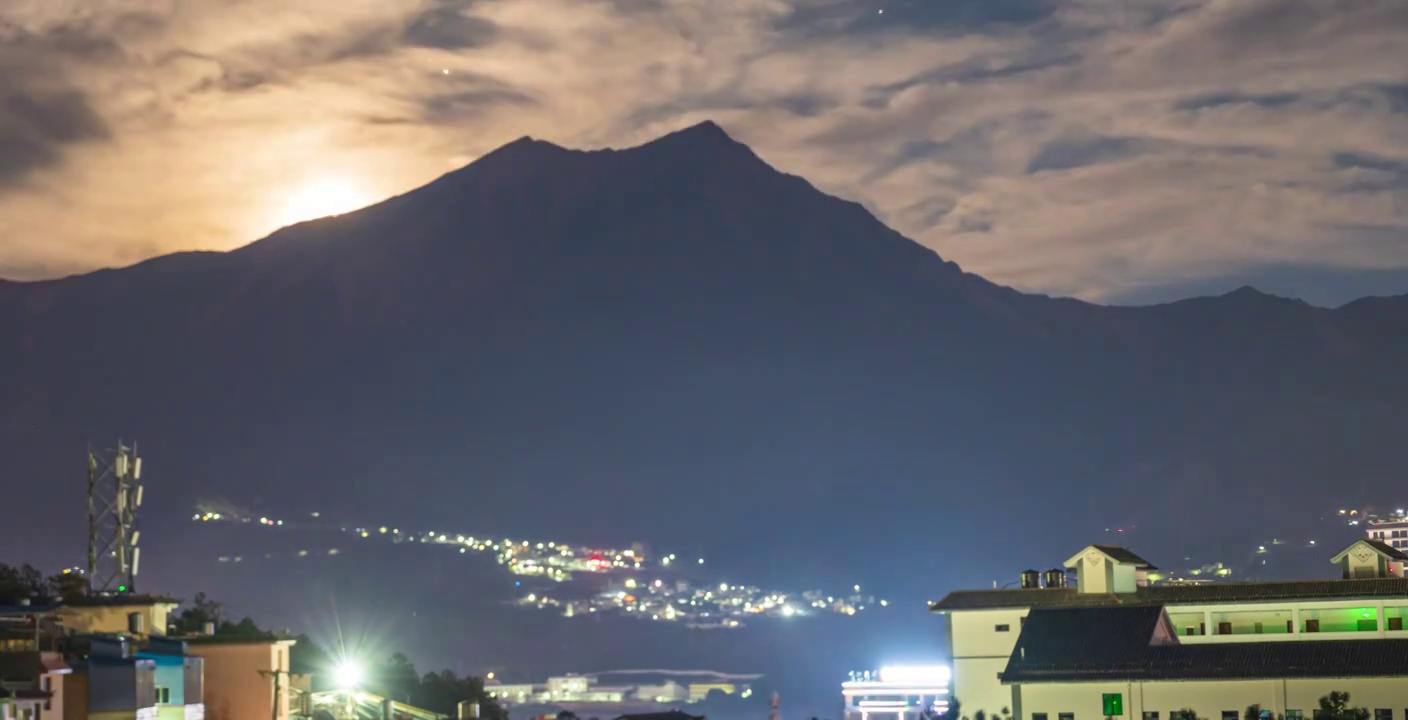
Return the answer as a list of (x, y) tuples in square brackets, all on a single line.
[(244, 679), (1370, 602), (896, 693), (1127, 661)]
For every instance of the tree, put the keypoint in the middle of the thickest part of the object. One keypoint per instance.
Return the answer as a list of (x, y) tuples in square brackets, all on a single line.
[(1254, 712), (21, 583), (203, 610), (442, 692), (68, 585), (1335, 706)]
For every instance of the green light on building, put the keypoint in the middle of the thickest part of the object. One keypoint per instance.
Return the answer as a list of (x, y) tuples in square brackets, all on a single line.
[(1113, 704)]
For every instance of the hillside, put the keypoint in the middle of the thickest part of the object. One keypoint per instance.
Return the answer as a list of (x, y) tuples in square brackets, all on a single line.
[(605, 344)]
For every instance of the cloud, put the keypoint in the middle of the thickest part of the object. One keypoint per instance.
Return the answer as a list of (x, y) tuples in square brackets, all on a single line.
[(1075, 147)]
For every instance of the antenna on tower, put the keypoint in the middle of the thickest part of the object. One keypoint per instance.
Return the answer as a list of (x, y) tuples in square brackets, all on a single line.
[(773, 715), (114, 496)]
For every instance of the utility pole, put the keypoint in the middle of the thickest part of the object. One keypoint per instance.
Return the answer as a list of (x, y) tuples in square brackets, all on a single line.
[(113, 498)]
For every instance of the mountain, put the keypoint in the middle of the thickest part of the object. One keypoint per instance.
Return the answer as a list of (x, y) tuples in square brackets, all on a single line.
[(677, 343)]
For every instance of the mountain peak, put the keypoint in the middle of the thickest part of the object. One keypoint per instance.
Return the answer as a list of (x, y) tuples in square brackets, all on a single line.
[(705, 135)]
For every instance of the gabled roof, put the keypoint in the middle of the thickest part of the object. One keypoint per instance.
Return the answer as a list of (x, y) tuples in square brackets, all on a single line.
[(1113, 643), (1378, 546), (1364, 588), (1116, 553)]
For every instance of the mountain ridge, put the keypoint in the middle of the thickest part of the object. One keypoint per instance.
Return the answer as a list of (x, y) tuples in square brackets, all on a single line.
[(627, 332)]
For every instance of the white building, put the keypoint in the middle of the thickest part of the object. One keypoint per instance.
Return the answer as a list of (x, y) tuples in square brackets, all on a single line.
[(1393, 534), (896, 693), (1126, 661), (1371, 602)]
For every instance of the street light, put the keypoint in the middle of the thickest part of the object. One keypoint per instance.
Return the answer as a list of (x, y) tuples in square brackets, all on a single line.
[(348, 675)]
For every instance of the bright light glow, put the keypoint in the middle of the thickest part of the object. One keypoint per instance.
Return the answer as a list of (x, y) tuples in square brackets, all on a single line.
[(916, 674), (630, 582), (788, 611), (320, 198), (347, 675)]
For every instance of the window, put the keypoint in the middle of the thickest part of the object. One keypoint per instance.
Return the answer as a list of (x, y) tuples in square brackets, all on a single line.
[(1065, 716), (1112, 705), (1230, 715), (1003, 628), (1295, 715), (1383, 714), (1151, 715), (163, 696), (1038, 716)]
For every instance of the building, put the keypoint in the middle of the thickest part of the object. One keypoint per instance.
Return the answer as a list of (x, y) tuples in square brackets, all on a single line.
[(1393, 534), (179, 681), (668, 691), (1371, 602), (1128, 661), (129, 614), (700, 691), (583, 689), (121, 685), (896, 693), (244, 678)]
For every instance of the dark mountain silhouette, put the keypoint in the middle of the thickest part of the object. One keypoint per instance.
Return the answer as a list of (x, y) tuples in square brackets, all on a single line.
[(676, 343)]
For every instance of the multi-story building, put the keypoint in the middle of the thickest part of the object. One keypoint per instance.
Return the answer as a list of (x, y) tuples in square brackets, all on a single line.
[(1369, 602), (117, 659), (896, 693), (1126, 661), (1393, 534)]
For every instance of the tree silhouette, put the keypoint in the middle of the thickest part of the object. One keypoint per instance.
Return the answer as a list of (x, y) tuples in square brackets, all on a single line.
[(1335, 706)]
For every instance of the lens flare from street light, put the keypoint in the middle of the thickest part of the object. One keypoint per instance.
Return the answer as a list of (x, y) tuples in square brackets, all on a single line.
[(347, 675)]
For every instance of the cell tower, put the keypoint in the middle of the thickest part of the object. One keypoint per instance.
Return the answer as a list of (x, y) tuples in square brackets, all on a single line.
[(113, 499)]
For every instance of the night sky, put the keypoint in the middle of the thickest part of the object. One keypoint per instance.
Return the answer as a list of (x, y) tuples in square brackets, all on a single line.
[(1115, 151)]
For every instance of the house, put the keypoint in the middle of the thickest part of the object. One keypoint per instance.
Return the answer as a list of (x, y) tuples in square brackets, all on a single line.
[(1113, 661), (244, 677), (120, 685), (983, 625), (179, 681)]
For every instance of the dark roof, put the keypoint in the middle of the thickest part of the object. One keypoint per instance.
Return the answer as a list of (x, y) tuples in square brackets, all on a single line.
[(1386, 549), (29, 609), (1123, 555), (1177, 594), (1114, 643), (119, 600), (671, 715)]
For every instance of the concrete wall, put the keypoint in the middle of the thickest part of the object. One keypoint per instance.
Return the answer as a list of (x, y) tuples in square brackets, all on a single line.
[(235, 688), (980, 651), (1209, 698), (113, 618)]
